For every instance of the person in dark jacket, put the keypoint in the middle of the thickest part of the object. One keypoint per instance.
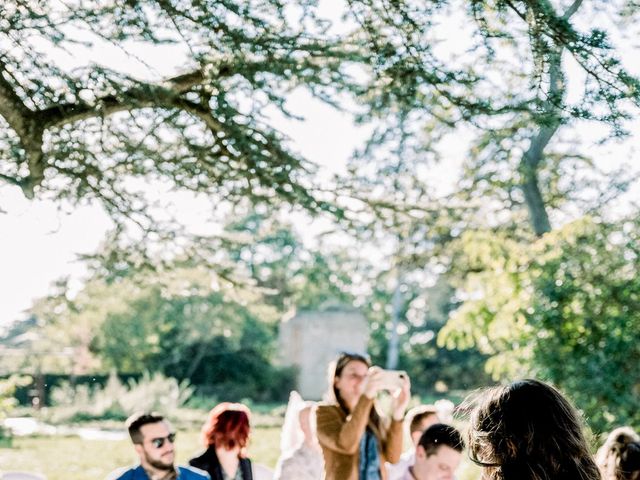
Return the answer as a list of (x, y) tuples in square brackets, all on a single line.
[(225, 435)]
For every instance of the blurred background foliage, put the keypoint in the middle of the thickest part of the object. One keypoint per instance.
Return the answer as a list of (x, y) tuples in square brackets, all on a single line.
[(562, 307)]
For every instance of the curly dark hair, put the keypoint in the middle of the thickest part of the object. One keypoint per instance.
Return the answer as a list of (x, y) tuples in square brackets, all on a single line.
[(528, 431), (619, 457)]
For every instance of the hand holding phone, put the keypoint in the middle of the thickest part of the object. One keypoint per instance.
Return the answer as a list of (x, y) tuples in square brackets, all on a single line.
[(392, 380)]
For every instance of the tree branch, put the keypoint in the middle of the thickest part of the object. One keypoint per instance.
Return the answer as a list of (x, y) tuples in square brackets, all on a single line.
[(12, 108), (146, 95), (572, 9), (11, 180), (534, 155)]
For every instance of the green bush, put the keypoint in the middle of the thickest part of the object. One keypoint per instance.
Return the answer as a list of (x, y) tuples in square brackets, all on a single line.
[(8, 402), (257, 380), (116, 400), (565, 309)]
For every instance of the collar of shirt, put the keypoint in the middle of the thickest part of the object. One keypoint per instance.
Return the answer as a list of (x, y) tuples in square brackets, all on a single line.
[(171, 475)]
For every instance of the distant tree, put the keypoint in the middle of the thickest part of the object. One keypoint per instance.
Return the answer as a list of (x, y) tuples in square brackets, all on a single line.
[(291, 275), (72, 321), (402, 218), (424, 311), (511, 91), (184, 322), (210, 339), (186, 319), (564, 309)]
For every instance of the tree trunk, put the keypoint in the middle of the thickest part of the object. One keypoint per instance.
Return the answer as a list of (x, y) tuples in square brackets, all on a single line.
[(538, 215), (396, 310), (533, 157)]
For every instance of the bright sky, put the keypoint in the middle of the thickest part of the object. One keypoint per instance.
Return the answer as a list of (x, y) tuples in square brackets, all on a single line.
[(39, 244)]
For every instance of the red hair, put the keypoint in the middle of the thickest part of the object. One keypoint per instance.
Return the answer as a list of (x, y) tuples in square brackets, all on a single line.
[(227, 426)]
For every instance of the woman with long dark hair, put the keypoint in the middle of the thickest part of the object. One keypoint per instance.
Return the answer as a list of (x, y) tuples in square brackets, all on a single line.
[(528, 431), (356, 440), (619, 457)]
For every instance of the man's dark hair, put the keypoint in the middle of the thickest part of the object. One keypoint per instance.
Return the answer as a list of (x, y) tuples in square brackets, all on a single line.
[(438, 435), (137, 420), (420, 413)]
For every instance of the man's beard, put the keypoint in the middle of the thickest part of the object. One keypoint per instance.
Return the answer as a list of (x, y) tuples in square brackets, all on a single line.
[(159, 464)]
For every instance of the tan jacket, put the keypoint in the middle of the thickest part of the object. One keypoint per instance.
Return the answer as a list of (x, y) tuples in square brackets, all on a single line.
[(339, 435)]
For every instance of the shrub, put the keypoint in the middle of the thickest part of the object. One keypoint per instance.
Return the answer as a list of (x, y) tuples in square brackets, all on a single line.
[(116, 401), (8, 402)]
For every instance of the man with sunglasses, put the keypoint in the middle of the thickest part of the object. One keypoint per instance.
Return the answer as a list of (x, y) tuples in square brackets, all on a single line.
[(153, 440)]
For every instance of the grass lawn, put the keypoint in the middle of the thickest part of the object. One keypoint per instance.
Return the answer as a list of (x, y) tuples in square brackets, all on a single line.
[(71, 458)]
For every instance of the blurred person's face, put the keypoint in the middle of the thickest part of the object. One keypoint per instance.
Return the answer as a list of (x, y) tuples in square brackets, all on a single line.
[(156, 451), (350, 381), (438, 466), (424, 424)]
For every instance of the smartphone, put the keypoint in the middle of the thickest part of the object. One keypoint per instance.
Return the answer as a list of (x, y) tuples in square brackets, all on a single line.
[(393, 379)]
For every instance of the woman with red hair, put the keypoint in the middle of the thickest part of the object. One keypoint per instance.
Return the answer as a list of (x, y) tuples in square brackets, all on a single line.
[(225, 435)]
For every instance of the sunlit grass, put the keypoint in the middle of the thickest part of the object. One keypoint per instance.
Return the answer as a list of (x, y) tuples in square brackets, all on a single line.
[(72, 458)]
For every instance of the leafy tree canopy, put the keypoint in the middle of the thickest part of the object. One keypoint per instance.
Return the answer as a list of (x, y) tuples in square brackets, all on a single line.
[(564, 309), (83, 132), (516, 85), (515, 73)]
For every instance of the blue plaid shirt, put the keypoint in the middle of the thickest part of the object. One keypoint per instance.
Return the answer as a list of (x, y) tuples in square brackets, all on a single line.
[(369, 468)]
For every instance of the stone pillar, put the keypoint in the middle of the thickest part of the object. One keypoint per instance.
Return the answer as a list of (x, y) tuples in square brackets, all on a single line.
[(311, 339)]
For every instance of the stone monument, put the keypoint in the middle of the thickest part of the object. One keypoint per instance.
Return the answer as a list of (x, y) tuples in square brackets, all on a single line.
[(311, 339)]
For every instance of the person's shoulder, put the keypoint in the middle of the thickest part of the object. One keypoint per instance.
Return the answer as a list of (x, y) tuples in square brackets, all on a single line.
[(122, 473), (260, 472), (189, 473), (202, 461), (325, 407), (398, 471), (409, 456)]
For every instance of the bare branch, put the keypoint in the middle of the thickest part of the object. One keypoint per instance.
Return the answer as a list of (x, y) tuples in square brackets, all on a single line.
[(11, 180), (573, 8), (142, 96)]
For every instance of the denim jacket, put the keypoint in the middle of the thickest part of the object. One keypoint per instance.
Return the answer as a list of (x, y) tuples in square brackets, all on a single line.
[(138, 473)]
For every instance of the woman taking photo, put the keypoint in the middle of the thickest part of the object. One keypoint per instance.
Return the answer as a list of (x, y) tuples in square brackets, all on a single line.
[(356, 441), (225, 435)]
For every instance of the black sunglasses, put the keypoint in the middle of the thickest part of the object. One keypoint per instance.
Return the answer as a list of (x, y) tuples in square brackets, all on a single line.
[(159, 442)]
